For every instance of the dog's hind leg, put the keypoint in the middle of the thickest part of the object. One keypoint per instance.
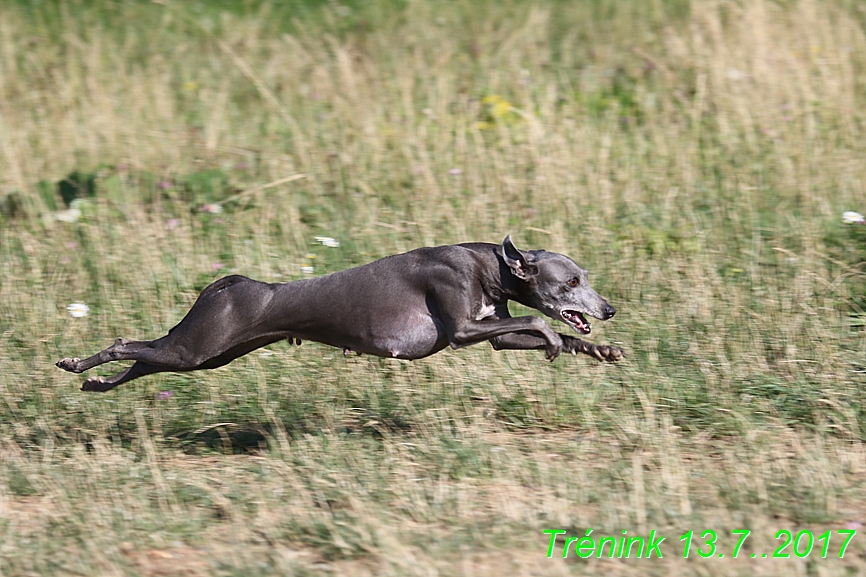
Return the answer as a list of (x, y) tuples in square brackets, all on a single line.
[(121, 350), (102, 384), (152, 357)]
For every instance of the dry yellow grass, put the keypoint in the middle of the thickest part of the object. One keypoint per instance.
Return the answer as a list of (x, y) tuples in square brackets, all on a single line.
[(696, 158)]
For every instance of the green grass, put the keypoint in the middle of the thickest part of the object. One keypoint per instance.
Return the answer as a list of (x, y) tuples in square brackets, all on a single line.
[(694, 157)]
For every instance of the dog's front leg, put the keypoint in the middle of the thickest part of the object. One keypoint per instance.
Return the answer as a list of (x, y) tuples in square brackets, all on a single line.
[(528, 341), (601, 352), (469, 333)]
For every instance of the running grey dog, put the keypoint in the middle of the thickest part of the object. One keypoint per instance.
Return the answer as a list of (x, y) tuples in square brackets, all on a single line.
[(406, 306)]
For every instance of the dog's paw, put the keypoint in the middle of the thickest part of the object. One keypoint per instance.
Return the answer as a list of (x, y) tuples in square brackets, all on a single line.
[(553, 351), (95, 384), (609, 353), (68, 364)]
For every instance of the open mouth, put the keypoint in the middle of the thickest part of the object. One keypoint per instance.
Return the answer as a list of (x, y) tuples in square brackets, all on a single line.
[(576, 321)]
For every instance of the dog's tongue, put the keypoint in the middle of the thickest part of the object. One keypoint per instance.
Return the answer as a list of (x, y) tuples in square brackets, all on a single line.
[(578, 319)]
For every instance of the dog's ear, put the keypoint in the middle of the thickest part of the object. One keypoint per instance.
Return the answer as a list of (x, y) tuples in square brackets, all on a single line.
[(516, 260)]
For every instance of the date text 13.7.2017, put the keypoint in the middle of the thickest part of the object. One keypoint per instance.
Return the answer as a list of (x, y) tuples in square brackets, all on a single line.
[(706, 544)]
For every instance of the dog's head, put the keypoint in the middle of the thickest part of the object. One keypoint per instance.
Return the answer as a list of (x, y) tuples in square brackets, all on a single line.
[(553, 284)]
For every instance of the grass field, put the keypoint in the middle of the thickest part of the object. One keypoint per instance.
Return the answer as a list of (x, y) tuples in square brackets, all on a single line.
[(696, 157)]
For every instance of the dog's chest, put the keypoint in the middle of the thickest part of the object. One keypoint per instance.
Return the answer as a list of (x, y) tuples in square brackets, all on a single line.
[(487, 310)]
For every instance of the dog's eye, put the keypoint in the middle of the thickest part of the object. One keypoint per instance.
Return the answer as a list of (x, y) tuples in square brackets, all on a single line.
[(574, 282)]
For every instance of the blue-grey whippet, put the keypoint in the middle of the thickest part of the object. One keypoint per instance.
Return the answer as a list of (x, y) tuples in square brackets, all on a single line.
[(406, 306)]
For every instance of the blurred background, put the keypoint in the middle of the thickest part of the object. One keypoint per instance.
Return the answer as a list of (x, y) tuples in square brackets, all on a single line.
[(695, 156)]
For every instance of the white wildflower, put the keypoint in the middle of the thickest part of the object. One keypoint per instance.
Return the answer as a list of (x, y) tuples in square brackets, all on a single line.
[(328, 241), (307, 269), (851, 217), (72, 213), (68, 215), (212, 208), (78, 310)]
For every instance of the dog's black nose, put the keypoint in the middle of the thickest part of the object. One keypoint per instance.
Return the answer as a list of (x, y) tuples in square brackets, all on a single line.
[(609, 311)]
